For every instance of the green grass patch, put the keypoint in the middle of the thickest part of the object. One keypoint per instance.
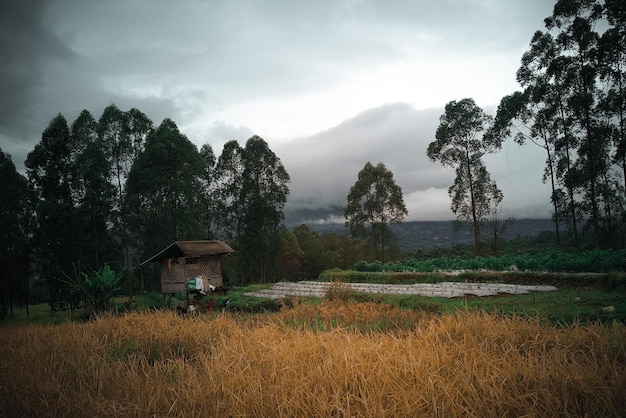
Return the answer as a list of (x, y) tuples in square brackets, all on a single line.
[(40, 314), (354, 276), (614, 282), (563, 306), (579, 298)]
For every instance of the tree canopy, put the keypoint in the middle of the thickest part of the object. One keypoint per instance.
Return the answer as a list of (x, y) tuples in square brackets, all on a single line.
[(460, 143), (262, 197), (163, 191), (573, 104), (374, 203), (15, 220)]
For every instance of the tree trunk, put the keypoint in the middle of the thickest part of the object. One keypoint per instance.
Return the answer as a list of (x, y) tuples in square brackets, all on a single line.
[(569, 188), (475, 219), (553, 197)]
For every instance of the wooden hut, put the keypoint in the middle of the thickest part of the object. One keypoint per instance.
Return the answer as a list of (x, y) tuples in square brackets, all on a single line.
[(184, 260)]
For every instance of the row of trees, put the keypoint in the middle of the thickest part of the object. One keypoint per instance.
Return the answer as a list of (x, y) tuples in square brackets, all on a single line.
[(15, 224), (573, 105), (117, 190)]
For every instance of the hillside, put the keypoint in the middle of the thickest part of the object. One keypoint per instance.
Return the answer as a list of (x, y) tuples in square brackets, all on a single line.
[(411, 236)]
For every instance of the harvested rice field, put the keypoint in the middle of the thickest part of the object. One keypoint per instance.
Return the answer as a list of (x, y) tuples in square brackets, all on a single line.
[(323, 360)]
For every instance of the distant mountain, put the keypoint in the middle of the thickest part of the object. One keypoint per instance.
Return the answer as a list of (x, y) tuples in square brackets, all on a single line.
[(423, 235), (412, 236)]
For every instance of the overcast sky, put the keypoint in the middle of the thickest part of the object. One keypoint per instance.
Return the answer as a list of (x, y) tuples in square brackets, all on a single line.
[(329, 84)]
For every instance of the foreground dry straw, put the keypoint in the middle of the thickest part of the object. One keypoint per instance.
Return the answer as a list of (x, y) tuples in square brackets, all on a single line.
[(158, 364)]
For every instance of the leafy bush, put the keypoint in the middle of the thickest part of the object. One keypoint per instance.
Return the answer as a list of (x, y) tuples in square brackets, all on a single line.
[(365, 266), (592, 261), (100, 286)]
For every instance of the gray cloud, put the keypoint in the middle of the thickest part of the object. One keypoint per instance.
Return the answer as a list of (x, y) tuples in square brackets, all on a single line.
[(221, 132), (27, 47), (192, 60), (239, 50), (395, 134), (324, 166)]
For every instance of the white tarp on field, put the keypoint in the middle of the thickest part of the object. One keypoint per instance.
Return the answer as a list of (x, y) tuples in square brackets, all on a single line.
[(443, 289)]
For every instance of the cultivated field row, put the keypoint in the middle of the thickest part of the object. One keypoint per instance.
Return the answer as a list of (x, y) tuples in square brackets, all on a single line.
[(444, 289)]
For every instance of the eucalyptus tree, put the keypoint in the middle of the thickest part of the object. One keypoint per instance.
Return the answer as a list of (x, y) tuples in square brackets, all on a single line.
[(541, 114), (111, 131), (263, 194), (474, 180), (460, 145), (577, 43), (228, 190), (93, 192), (532, 121), (122, 135), (162, 200), (49, 167), (15, 218), (113, 139), (137, 127), (612, 71), (375, 203), (135, 130), (612, 100), (210, 214), (537, 114)]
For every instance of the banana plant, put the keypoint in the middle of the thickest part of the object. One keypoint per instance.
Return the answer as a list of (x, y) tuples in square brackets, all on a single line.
[(100, 286)]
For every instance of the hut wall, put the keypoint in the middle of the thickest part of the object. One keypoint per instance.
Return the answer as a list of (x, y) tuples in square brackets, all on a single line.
[(212, 268), (175, 274)]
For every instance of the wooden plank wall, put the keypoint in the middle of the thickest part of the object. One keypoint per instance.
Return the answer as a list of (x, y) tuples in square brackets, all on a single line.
[(174, 275)]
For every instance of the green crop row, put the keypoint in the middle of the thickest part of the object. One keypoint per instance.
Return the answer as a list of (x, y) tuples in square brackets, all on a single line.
[(595, 261)]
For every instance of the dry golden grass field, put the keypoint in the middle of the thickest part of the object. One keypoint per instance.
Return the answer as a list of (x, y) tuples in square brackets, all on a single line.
[(306, 361)]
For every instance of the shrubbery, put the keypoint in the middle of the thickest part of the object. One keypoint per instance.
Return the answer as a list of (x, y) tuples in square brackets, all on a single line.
[(100, 286), (596, 261)]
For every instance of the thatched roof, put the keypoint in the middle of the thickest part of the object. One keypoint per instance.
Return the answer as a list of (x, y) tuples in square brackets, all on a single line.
[(191, 249)]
